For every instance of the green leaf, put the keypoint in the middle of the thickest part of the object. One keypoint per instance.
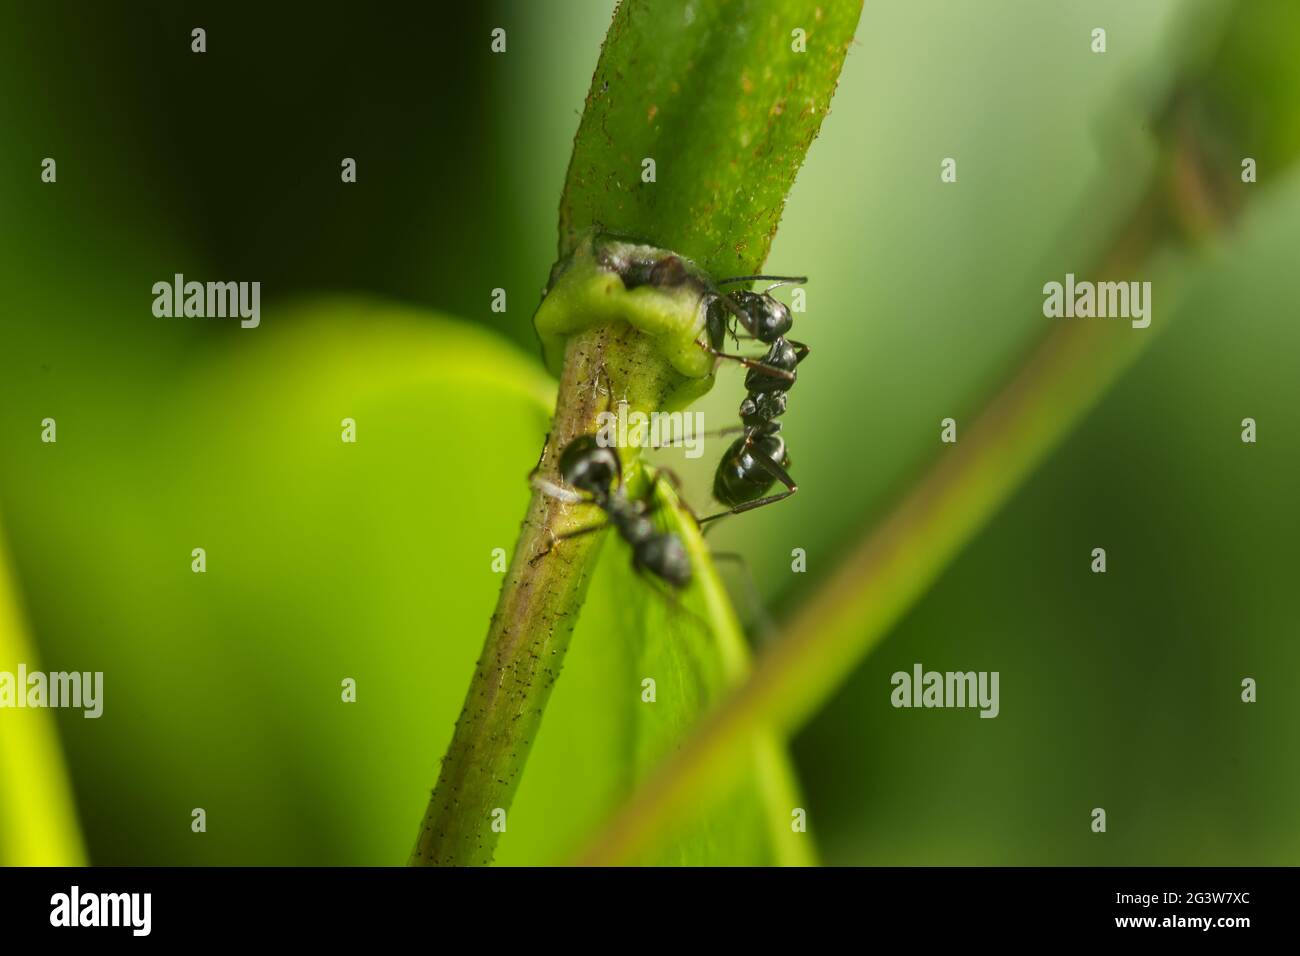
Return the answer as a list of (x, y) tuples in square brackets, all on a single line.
[(706, 655), (601, 738), (328, 560), (325, 560), (38, 823), (716, 95)]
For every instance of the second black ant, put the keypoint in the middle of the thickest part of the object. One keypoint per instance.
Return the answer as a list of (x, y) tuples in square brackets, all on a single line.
[(596, 475), (759, 458)]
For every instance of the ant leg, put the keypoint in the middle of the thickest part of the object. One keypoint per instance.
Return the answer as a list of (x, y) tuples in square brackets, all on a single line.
[(651, 503), (674, 479), (558, 492), (763, 620), (750, 506), (719, 433), (541, 457), (660, 474), (557, 538), (800, 351), (777, 472), (590, 529), (748, 362)]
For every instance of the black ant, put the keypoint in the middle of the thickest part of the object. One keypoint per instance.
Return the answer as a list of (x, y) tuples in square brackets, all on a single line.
[(597, 474), (759, 458), (762, 316)]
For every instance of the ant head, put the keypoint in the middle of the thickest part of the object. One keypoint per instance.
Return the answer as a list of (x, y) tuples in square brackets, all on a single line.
[(769, 318), (590, 467)]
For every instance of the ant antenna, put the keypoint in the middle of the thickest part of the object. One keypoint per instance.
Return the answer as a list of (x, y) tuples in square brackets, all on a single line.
[(783, 280), (758, 617), (777, 285), (731, 307)]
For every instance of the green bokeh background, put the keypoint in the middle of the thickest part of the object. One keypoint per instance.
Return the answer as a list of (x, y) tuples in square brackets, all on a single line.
[(1119, 691)]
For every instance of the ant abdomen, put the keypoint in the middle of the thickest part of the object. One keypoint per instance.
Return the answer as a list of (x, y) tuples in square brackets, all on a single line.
[(664, 556), (741, 478)]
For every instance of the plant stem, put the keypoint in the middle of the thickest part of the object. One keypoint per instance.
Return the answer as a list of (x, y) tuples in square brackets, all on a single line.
[(538, 606)]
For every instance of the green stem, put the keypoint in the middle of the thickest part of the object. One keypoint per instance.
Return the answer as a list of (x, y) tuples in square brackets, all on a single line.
[(530, 630)]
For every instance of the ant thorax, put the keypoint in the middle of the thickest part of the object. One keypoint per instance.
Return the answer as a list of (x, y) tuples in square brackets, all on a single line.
[(781, 357), (760, 408)]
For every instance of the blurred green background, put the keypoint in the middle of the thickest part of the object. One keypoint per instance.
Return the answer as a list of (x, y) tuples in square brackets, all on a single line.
[(373, 561)]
